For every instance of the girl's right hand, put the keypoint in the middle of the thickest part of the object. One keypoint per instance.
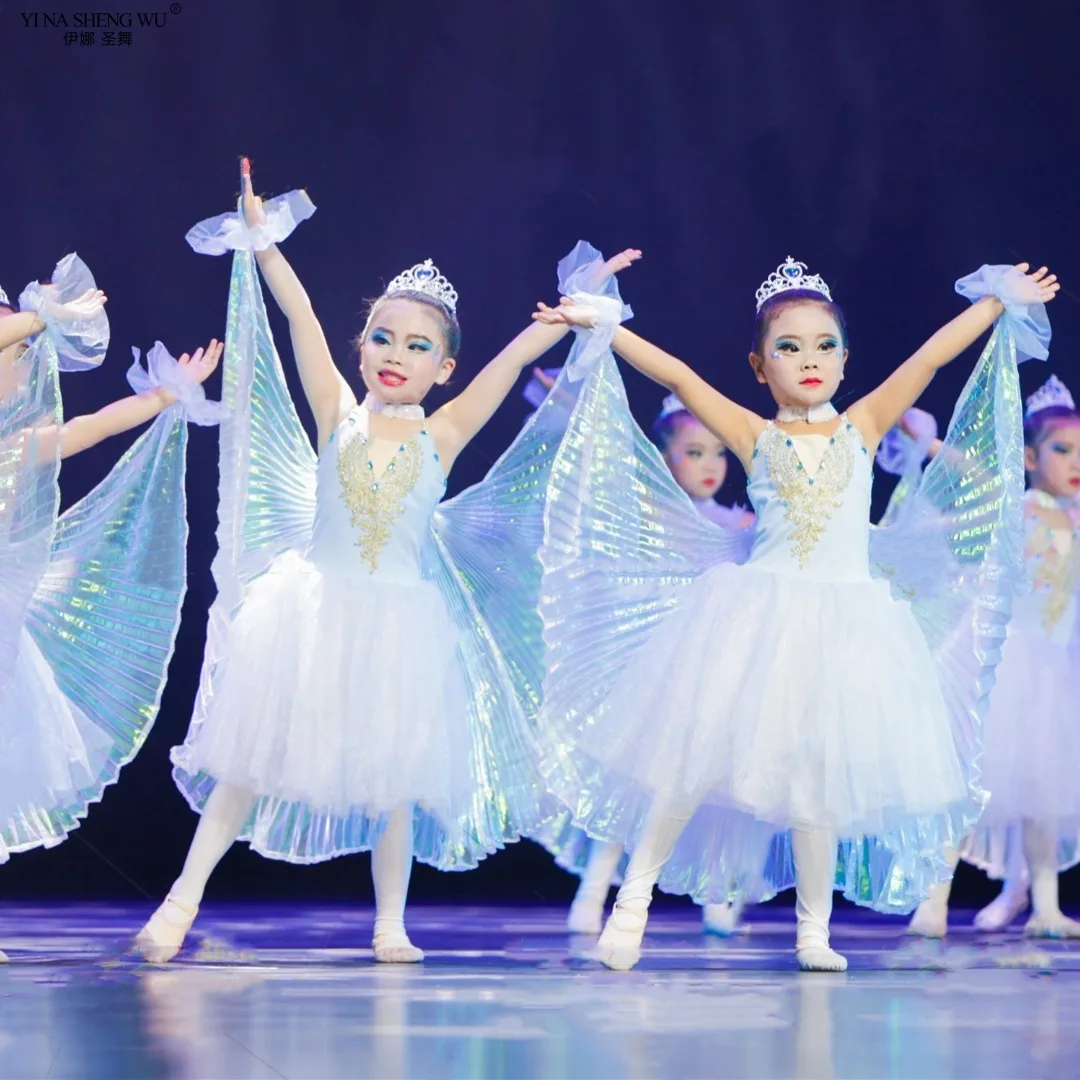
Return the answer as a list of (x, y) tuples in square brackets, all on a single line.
[(250, 202), (568, 313), (82, 307)]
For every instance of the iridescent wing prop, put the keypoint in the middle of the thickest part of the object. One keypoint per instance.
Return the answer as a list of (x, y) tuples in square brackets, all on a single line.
[(621, 541), (106, 611), (29, 495), (266, 493)]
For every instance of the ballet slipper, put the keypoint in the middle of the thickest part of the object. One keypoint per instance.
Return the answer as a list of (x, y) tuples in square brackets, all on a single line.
[(722, 919), (619, 947), (391, 944), (586, 916), (163, 935), (1000, 912), (1053, 924)]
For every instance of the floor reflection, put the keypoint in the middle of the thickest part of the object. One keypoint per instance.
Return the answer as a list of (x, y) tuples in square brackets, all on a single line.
[(292, 992)]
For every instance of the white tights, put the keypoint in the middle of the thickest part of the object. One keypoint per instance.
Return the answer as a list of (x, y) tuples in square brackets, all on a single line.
[(815, 870), (222, 819)]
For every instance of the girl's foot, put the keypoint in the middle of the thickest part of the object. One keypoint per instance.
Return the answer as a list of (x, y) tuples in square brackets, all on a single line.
[(163, 935), (619, 947), (3, 957), (817, 957), (722, 919), (585, 916), (931, 920), (391, 944), (1052, 925), (1000, 912)]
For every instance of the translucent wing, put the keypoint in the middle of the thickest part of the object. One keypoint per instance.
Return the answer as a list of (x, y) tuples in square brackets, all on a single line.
[(106, 611), (266, 489), (267, 465), (621, 540), (955, 551), (29, 496)]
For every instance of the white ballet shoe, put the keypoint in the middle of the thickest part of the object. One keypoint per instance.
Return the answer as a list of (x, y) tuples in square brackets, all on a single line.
[(585, 916), (163, 935), (391, 944), (1000, 912), (817, 957), (1052, 925), (722, 919), (3, 957), (619, 947), (931, 920)]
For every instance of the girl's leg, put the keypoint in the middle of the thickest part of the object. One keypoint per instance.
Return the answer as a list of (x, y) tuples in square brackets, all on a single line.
[(1013, 898), (222, 819), (1040, 849), (620, 943), (586, 914), (815, 876), (391, 868), (931, 918)]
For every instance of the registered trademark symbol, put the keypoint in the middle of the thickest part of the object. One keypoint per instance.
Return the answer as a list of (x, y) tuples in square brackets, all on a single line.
[(175, 9)]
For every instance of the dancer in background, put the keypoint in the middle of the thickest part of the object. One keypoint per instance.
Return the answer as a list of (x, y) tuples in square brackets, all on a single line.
[(809, 717), (92, 598), (1031, 759)]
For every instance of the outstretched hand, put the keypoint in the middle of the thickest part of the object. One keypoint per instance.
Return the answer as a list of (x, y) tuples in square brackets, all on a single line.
[(572, 313), (250, 202), (82, 307), (568, 313), (202, 363), (1044, 285)]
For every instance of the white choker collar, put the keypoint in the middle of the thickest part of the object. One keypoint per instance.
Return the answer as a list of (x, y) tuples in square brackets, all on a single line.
[(395, 412), (812, 414), (1047, 501)]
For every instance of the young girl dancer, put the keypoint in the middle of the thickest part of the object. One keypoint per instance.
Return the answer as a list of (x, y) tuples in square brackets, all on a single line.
[(1031, 756), (92, 599), (698, 462), (794, 701), (354, 695)]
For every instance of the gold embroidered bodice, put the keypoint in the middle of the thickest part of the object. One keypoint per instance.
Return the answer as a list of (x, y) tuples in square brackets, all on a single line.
[(813, 516), (374, 521)]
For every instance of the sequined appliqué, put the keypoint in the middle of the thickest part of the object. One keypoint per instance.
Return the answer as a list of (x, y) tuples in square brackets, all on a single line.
[(810, 500), (1056, 569), (376, 504)]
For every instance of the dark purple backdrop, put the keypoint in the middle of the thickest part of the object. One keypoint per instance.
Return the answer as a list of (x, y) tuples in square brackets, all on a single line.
[(894, 148)]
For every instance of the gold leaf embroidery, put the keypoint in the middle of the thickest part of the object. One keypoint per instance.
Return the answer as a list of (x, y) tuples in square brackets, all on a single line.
[(810, 500), (376, 504)]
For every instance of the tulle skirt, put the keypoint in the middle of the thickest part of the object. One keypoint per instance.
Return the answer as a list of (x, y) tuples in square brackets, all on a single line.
[(764, 702), (1031, 751), (339, 699), (53, 761)]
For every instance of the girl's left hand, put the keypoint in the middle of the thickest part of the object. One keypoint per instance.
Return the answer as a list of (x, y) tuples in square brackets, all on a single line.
[(201, 364), (567, 314), (1044, 284), (621, 261), (82, 307)]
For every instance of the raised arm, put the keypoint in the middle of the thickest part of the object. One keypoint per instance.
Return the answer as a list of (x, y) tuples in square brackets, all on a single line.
[(876, 413), (325, 388), (82, 432), (736, 427), (455, 424), (17, 327)]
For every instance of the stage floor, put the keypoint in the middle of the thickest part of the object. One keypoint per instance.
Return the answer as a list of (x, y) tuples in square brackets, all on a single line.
[(291, 991)]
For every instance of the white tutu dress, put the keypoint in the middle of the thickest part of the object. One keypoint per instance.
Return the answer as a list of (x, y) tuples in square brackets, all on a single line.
[(342, 688), (832, 678), (369, 647), (1031, 756)]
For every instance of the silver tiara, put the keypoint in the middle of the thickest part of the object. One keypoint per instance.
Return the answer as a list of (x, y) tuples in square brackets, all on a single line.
[(671, 404), (425, 278), (1052, 392), (790, 275)]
